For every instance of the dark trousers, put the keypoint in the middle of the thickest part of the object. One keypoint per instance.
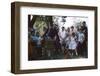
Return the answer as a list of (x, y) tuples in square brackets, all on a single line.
[(79, 49)]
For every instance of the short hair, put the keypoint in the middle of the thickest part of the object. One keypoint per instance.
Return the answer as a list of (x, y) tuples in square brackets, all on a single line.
[(84, 22), (72, 26), (63, 27)]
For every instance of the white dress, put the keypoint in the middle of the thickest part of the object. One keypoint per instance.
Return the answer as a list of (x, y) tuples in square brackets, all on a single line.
[(72, 43)]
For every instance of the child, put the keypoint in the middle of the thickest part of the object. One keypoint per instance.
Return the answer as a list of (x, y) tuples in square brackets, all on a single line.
[(72, 45)]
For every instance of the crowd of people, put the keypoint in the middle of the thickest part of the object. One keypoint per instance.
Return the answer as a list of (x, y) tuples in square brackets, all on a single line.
[(71, 41)]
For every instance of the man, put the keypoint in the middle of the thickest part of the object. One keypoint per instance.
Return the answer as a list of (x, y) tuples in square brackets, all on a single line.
[(57, 40), (85, 32), (50, 41), (51, 31), (81, 38), (62, 36)]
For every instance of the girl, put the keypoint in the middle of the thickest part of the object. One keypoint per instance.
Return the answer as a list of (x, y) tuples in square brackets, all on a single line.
[(72, 44)]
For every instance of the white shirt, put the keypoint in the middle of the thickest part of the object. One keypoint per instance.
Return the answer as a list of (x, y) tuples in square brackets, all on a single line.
[(62, 34)]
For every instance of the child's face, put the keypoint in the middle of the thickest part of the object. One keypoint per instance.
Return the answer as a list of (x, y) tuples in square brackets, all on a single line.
[(73, 34)]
